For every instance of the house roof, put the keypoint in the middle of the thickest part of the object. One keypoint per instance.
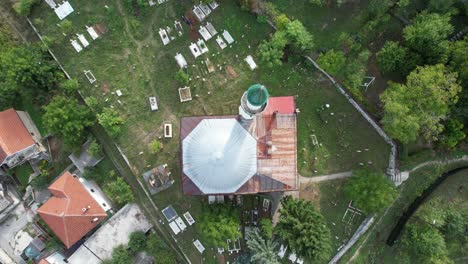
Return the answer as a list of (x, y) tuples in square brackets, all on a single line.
[(14, 136), (275, 133), (71, 212)]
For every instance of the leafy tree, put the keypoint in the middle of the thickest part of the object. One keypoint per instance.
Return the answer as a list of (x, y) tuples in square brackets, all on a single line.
[(155, 146), (304, 229), (119, 192), (95, 149), (156, 247), (395, 58), (418, 106), (298, 36), (137, 242), (271, 52), (458, 60), (93, 103), (111, 121), (121, 256), (453, 133), (267, 228), (427, 35), (281, 21), (370, 191), (263, 251), (317, 2), (24, 7), (67, 118), (332, 61), (219, 223), (426, 243), (182, 77), (70, 86)]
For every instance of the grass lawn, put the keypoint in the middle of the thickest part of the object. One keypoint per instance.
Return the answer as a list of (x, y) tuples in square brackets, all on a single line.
[(329, 198), (22, 173), (131, 57)]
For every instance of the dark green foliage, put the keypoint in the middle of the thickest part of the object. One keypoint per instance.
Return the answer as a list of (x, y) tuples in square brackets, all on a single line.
[(70, 86), (182, 77), (453, 133), (119, 192), (137, 242), (120, 255), (263, 250), (95, 149), (428, 36), (426, 243), (111, 121), (456, 225), (370, 191), (332, 61), (219, 223), (441, 6), (393, 57), (298, 37), (267, 228), (67, 118), (24, 7), (304, 229)]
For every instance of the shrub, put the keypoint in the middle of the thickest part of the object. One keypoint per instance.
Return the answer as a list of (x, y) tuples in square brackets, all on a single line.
[(24, 7), (332, 61), (155, 146)]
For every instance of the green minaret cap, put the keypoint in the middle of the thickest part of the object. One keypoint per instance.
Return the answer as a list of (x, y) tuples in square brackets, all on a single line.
[(257, 95)]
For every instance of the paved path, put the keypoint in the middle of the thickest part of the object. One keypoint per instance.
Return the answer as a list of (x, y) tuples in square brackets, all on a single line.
[(335, 176)]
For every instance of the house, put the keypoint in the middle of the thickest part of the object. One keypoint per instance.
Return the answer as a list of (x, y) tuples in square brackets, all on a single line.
[(19, 139), (71, 212), (253, 152), (114, 232)]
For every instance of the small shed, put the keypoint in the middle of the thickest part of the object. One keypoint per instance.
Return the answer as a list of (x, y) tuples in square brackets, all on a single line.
[(181, 60), (63, 10)]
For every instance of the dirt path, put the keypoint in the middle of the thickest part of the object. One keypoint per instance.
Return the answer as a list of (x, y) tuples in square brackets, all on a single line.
[(329, 177), (440, 162)]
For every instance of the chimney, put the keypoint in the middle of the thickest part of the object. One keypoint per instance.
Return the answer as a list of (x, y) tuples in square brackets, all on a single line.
[(95, 219)]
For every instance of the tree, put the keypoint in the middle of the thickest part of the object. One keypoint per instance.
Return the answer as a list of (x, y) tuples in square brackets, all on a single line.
[(304, 229), (453, 133), (456, 225), (24, 7), (263, 251), (119, 192), (332, 61), (458, 60), (427, 35), (271, 52), (267, 228), (121, 256), (418, 106), (182, 77), (95, 149), (66, 26), (392, 57), (317, 2), (370, 191), (433, 213), (155, 146), (67, 118), (111, 121), (70, 86), (281, 21), (137, 241), (219, 223), (298, 36), (441, 6), (426, 243)]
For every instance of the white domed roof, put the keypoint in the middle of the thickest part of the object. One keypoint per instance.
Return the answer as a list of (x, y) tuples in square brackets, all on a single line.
[(219, 155)]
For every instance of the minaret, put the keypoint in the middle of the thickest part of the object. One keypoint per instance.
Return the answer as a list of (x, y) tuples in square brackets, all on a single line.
[(253, 102)]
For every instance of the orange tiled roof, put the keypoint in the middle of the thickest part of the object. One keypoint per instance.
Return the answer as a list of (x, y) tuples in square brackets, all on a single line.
[(43, 261), (13, 134), (63, 212)]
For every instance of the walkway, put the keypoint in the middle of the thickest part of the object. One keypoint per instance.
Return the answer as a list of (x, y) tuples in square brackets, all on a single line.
[(329, 177)]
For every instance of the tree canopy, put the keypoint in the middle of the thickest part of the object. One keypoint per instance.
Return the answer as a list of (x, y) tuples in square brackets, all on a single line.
[(418, 106), (67, 118), (393, 57), (111, 121), (426, 243), (332, 61), (370, 191), (119, 192), (137, 241), (304, 229), (219, 223), (428, 36), (263, 250)]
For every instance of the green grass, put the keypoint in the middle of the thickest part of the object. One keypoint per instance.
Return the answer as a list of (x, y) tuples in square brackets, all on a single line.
[(332, 203), (22, 173), (130, 57)]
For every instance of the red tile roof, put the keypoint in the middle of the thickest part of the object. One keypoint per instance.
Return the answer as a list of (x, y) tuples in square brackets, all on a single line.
[(43, 261), (63, 212), (280, 105), (14, 136)]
